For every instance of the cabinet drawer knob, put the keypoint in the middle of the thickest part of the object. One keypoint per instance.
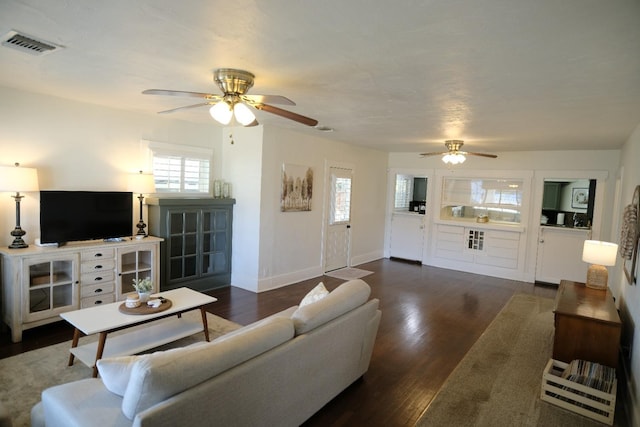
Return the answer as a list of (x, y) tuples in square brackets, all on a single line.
[(98, 255), (98, 302), (97, 279), (97, 291), (98, 267)]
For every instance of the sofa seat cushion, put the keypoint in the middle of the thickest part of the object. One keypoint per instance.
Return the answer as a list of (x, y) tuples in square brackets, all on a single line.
[(163, 374), (81, 403), (344, 298)]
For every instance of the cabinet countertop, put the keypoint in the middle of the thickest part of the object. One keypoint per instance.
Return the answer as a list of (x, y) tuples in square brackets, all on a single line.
[(75, 246), (491, 225), (577, 300)]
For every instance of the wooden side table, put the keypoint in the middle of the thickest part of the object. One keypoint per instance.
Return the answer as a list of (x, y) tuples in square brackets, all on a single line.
[(587, 325)]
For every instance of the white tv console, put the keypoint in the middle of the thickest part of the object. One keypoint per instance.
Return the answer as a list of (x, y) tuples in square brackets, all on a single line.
[(39, 283)]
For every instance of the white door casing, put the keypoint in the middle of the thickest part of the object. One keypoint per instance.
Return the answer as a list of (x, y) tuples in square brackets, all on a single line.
[(338, 236)]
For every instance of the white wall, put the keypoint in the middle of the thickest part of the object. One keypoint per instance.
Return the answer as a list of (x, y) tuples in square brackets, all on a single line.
[(290, 243), (79, 146), (242, 167), (629, 295)]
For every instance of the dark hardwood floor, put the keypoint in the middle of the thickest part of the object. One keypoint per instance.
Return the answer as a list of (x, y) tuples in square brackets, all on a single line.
[(430, 319)]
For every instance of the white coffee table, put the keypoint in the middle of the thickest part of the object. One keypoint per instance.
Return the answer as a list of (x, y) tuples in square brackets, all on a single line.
[(166, 326)]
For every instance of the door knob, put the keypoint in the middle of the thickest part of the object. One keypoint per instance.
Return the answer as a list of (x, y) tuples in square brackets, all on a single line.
[(541, 240)]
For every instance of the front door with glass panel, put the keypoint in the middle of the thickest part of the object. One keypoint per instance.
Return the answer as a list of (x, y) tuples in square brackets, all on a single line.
[(338, 236)]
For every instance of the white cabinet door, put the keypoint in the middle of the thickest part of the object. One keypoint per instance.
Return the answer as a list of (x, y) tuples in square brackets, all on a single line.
[(560, 255), (407, 236)]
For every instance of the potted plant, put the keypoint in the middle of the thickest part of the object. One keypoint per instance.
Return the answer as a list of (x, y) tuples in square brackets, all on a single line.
[(144, 288)]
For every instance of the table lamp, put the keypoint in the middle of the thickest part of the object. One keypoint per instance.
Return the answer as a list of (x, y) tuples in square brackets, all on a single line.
[(141, 183), (16, 178), (599, 255)]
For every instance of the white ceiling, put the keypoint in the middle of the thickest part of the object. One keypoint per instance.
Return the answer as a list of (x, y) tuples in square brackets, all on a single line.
[(394, 75)]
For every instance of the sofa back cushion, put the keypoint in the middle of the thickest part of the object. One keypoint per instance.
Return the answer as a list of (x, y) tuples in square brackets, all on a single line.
[(161, 375), (343, 299)]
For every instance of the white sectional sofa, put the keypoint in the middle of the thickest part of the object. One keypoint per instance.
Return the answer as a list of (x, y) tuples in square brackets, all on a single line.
[(276, 372)]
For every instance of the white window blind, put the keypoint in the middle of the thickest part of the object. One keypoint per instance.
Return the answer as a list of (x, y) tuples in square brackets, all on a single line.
[(403, 192), (181, 169)]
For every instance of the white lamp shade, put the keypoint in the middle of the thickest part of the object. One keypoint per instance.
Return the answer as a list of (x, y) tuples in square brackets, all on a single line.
[(221, 112), (16, 178), (142, 183), (600, 253), (243, 114), (454, 158)]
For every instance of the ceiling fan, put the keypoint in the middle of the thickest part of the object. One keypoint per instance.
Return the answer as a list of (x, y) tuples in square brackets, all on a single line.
[(453, 154), (234, 100)]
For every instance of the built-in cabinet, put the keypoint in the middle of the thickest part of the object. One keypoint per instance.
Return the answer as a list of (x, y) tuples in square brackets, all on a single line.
[(196, 251), (477, 246), (39, 283), (551, 195)]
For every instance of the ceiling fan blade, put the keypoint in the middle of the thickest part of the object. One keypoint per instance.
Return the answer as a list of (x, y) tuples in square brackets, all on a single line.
[(271, 99), (180, 93), (432, 154), (202, 104), (287, 114), (492, 156)]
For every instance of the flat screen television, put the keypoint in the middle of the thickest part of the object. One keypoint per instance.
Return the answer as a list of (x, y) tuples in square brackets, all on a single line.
[(67, 216)]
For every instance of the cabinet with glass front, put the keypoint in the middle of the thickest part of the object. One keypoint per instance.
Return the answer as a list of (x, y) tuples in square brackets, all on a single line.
[(481, 200)]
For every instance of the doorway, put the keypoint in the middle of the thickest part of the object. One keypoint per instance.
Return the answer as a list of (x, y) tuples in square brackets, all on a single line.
[(406, 239), (338, 227)]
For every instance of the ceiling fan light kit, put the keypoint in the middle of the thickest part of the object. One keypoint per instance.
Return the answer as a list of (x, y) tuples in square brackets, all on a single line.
[(454, 155), (221, 112), (454, 158), (234, 102)]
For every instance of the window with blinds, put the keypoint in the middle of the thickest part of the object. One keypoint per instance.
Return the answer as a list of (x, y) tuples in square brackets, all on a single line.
[(403, 192), (181, 169)]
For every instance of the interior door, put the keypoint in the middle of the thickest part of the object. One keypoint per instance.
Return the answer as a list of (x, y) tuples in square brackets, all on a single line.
[(560, 255), (338, 236), (407, 236)]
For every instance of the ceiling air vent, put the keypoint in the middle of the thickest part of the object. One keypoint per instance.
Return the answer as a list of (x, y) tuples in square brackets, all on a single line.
[(28, 44)]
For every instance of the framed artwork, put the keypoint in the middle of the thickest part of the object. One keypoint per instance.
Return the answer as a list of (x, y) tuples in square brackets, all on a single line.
[(580, 198), (297, 188), (630, 238)]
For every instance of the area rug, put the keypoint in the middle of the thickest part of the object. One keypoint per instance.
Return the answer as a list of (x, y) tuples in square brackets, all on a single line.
[(23, 377), (498, 381), (348, 273)]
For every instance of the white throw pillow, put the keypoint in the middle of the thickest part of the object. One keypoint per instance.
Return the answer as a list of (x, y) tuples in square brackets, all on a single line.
[(115, 372), (315, 294)]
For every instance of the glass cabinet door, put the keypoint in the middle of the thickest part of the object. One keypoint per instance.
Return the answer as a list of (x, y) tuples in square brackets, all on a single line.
[(183, 245), (215, 236), (134, 264), (52, 287)]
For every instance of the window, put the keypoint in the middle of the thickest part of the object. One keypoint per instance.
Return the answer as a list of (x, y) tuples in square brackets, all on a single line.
[(340, 196), (180, 168), (404, 192)]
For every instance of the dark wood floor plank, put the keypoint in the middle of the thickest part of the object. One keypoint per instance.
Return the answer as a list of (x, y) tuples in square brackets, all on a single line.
[(430, 318)]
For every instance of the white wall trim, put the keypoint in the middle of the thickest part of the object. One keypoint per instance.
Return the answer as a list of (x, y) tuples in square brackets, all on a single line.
[(275, 282)]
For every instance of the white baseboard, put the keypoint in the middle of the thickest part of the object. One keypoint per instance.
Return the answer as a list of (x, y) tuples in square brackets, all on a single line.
[(275, 282), (365, 258)]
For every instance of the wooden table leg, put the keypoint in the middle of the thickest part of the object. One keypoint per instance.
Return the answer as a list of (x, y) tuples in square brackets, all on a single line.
[(101, 341), (74, 344), (204, 323)]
